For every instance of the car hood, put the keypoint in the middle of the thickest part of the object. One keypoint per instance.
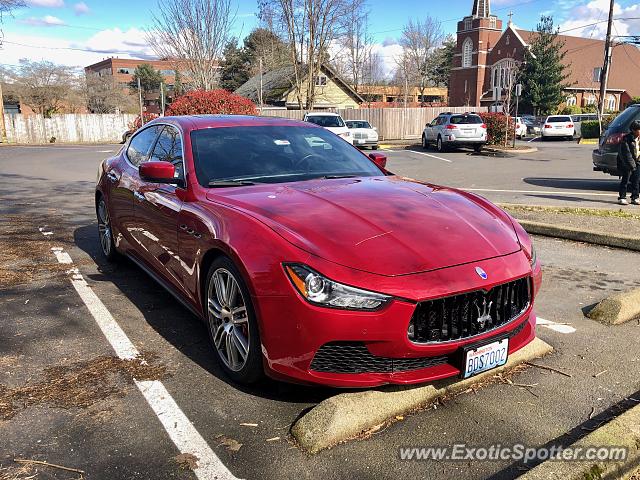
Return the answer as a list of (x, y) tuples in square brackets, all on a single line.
[(382, 225)]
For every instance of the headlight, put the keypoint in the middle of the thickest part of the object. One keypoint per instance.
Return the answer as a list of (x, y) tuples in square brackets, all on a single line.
[(345, 134), (319, 290)]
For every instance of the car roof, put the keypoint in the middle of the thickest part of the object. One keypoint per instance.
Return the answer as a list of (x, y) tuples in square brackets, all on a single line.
[(324, 114), (199, 122)]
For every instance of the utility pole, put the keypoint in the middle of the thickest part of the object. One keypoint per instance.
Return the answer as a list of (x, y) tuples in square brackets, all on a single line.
[(260, 93), (604, 75), (140, 100), (162, 98), (3, 130)]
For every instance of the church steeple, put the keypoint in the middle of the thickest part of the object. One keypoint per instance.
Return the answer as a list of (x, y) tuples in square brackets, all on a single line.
[(481, 9)]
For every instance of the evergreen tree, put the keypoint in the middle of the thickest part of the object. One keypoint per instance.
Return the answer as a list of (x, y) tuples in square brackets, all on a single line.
[(235, 66), (178, 87), (442, 62), (544, 73), (150, 78)]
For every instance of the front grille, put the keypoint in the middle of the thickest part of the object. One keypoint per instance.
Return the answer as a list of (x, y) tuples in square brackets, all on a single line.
[(355, 357), (360, 136), (469, 314)]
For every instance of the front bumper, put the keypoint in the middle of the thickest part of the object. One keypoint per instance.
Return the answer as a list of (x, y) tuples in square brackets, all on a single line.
[(552, 132), (365, 143), (293, 331)]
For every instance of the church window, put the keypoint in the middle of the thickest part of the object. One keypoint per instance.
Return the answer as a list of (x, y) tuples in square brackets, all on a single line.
[(467, 53)]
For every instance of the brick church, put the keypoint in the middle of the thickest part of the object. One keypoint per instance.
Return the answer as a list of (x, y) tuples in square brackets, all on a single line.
[(486, 53)]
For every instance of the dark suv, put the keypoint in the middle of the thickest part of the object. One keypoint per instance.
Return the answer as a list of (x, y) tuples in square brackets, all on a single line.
[(605, 157)]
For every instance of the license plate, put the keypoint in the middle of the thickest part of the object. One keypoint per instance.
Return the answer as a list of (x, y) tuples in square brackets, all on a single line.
[(559, 127), (468, 131), (486, 357)]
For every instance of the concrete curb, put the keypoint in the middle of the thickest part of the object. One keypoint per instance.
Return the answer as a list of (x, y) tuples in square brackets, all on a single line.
[(348, 415), (510, 150), (619, 308), (623, 431), (549, 230)]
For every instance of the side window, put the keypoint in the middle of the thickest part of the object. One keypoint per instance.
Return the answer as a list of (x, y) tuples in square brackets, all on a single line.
[(169, 149), (140, 145)]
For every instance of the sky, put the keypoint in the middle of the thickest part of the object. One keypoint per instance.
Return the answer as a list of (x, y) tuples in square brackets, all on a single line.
[(78, 33)]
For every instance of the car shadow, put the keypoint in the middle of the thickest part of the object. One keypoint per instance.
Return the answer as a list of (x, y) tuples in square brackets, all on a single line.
[(604, 184), (573, 198), (179, 326)]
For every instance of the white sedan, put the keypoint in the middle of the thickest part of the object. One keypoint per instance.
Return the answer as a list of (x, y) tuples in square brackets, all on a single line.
[(558, 126), (364, 135)]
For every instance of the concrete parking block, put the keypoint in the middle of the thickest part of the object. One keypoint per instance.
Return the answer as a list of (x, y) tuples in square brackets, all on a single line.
[(348, 415), (619, 308), (621, 432)]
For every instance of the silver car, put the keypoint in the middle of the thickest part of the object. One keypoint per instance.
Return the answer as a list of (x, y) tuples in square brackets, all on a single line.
[(455, 129)]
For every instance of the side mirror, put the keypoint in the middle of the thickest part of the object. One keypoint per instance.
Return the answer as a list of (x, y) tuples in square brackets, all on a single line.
[(158, 172), (380, 159)]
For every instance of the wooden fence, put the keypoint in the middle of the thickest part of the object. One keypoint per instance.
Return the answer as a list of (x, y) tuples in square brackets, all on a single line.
[(392, 123), (68, 128)]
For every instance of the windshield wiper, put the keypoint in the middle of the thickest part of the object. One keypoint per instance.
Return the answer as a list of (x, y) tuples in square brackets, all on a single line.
[(328, 177), (229, 183)]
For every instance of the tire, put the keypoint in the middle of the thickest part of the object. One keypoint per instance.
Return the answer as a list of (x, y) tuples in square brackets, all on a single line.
[(425, 145), (232, 324), (440, 145), (375, 147), (105, 233), (477, 148)]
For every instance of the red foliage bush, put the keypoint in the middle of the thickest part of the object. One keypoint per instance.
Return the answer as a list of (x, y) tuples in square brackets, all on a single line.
[(137, 123), (211, 101), (496, 124)]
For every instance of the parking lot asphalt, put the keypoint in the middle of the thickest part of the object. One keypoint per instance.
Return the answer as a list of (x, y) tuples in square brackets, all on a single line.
[(559, 173), (87, 414)]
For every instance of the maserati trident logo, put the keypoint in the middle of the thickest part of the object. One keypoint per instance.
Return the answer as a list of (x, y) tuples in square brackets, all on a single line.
[(484, 314), (481, 273)]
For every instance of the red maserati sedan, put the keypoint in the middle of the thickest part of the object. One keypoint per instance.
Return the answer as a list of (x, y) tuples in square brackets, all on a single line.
[(312, 263)]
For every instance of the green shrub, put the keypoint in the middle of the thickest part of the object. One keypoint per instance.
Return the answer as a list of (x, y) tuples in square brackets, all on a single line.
[(570, 110), (590, 129), (496, 124)]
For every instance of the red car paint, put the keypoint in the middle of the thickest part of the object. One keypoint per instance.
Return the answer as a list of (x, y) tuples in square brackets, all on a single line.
[(411, 240)]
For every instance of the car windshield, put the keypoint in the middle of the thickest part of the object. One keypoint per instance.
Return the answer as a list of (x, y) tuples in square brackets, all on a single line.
[(274, 154), (558, 119), (358, 124), (326, 121), (466, 120)]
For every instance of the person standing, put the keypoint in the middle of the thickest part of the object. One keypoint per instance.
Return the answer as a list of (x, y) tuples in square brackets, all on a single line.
[(629, 165)]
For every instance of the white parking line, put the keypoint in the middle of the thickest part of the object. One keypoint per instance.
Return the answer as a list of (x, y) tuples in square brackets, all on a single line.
[(539, 192), (181, 431), (556, 327), (422, 153)]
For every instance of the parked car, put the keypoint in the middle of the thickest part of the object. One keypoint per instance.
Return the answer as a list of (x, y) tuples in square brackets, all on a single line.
[(332, 122), (532, 124), (520, 127), (364, 135), (455, 129), (558, 126), (287, 243), (605, 157)]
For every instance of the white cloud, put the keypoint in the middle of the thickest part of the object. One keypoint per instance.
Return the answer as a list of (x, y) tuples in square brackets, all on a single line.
[(106, 43), (45, 3), (81, 8), (46, 21), (581, 18)]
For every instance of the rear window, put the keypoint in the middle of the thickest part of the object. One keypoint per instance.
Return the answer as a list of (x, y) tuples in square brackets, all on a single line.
[(559, 119), (622, 121), (326, 121), (466, 120)]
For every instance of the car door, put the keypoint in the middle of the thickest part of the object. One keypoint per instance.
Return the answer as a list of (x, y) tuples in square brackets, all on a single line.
[(123, 181), (429, 130), (157, 207)]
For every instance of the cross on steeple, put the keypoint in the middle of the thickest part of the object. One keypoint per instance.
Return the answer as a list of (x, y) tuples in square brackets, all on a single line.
[(510, 18), (481, 8)]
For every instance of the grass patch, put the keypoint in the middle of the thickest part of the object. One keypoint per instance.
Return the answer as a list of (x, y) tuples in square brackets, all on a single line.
[(587, 212)]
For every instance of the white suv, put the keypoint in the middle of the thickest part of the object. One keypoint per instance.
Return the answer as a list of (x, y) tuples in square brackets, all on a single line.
[(332, 122)]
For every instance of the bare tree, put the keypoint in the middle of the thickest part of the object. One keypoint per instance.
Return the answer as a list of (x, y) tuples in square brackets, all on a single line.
[(6, 6), (104, 95), (358, 43), (419, 40), (310, 26), (45, 87), (195, 33)]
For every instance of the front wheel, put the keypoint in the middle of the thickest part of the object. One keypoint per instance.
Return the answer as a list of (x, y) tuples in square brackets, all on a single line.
[(104, 231), (439, 145), (425, 145), (233, 328)]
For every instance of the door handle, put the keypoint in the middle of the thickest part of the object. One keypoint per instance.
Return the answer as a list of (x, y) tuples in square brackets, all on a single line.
[(139, 196), (112, 177)]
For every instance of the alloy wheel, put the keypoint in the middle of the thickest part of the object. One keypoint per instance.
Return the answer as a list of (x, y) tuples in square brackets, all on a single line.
[(104, 228), (228, 319), (440, 148)]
